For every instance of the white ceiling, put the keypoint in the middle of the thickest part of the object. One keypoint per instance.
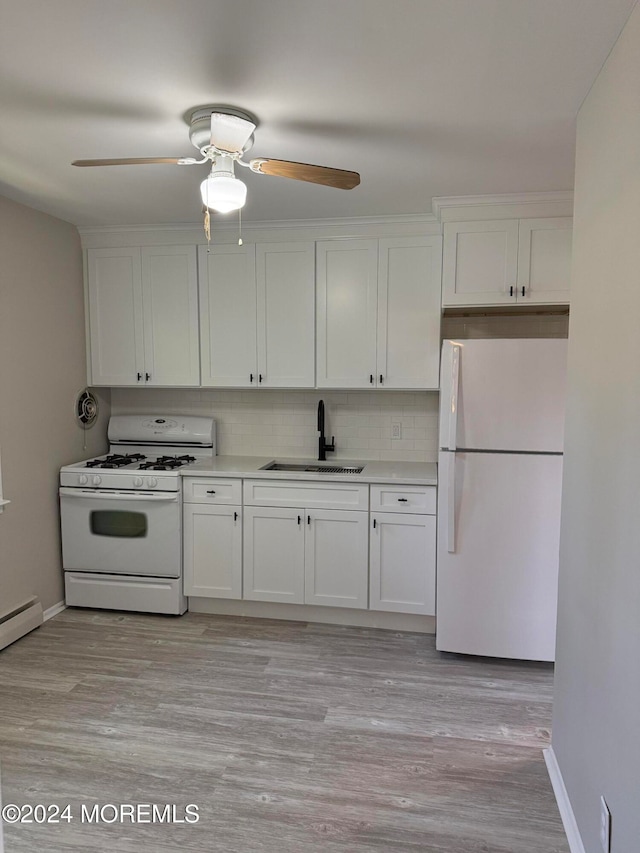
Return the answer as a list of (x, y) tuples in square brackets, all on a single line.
[(422, 97)]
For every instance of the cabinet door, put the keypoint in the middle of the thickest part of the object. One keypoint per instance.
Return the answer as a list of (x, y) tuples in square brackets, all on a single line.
[(409, 309), (336, 551), (346, 293), (403, 563), (212, 551), (274, 554), (228, 316), (115, 316), (544, 260), (286, 314), (170, 304), (480, 262)]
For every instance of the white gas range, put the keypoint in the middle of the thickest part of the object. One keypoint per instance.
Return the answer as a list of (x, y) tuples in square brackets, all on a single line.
[(121, 514)]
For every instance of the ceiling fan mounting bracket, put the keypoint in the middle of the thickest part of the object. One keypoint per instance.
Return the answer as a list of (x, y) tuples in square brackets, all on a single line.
[(200, 124)]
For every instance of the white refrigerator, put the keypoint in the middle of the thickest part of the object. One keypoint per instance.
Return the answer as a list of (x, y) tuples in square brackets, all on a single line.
[(499, 487)]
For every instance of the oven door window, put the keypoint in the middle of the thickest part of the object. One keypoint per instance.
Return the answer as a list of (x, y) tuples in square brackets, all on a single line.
[(119, 523)]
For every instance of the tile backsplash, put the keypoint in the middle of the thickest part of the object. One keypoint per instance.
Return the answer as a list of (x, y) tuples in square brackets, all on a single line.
[(284, 423)]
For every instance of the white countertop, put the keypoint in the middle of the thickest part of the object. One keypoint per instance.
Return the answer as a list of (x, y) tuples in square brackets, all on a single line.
[(407, 473)]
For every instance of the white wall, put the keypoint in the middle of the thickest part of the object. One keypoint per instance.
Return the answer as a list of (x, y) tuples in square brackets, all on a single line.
[(42, 367), (596, 725)]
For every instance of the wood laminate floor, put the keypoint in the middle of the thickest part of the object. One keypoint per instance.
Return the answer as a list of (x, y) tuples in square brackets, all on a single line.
[(290, 737)]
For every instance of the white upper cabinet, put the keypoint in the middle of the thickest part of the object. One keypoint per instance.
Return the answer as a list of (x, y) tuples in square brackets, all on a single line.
[(408, 343), (228, 315), (170, 310), (286, 314), (480, 262), (544, 260), (346, 313), (507, 261), (143, 316), (378, 313)]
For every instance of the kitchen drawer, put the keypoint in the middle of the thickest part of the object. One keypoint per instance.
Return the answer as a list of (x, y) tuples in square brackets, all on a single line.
[(305, 494), (413, 499), (211, 490)]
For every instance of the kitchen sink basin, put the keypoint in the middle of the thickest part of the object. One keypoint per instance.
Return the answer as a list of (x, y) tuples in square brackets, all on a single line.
[(313, 469)]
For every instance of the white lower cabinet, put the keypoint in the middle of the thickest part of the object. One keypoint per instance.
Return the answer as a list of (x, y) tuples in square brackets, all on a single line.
[(212, 550), (274, 554), (403, 549), (336, 558)]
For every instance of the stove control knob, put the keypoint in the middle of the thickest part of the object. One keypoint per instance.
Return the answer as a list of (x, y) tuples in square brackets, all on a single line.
[(96, 479), (83, 479), (137, 482), (152, 482)]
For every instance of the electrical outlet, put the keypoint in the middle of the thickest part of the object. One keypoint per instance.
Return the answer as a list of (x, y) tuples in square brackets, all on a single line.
[(605, 826), (396, 430)]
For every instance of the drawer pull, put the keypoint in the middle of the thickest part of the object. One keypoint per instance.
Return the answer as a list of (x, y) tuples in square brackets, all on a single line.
[(235, 516), (211, 492), (374, 524), (403, 500)]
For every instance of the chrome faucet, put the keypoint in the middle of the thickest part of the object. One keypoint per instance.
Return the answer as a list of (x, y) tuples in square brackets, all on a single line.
[(323, 446)]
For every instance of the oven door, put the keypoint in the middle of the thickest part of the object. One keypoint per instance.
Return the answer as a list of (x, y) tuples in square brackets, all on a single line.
[(130, 533)]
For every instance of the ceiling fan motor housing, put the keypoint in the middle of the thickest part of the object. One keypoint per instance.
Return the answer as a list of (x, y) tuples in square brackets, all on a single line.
[(200, 125)]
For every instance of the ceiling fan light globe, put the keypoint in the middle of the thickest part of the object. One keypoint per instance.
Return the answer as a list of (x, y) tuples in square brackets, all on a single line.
[(223, 193)]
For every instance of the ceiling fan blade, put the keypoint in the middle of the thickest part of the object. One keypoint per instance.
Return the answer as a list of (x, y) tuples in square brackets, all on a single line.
[(230, 132), (129, 161), (338, 178)]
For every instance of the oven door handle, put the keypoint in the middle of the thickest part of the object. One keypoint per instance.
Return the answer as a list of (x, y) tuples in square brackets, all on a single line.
[(155, 497)]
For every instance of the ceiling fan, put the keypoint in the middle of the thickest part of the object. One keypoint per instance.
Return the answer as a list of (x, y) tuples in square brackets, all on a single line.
[(223, 135)]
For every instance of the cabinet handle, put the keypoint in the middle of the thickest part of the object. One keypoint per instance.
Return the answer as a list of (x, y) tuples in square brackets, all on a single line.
[(211, 492), (403, 500), (139, 377), (371, 378), (299, 519), (259, 377), (251, 377), (308, 519), (374, 524), (523, 290), (147, 377), (381, 379), (511, 291), (235, 516)]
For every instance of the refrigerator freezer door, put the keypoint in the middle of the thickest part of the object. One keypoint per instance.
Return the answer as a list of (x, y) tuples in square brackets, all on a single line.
[(510, 395), (497, 590)]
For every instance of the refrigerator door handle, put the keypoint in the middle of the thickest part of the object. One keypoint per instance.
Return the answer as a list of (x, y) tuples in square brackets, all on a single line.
[(453, 400), (451, 503)]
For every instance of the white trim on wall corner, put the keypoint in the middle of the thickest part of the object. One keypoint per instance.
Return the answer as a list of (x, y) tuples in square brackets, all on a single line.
[(563, 801), (52, 611)]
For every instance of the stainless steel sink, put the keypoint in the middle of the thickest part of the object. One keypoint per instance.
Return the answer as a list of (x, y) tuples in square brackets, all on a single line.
[(313, 469)]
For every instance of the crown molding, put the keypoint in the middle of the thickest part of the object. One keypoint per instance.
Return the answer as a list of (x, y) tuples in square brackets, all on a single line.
[(340, 223), (439, 204)]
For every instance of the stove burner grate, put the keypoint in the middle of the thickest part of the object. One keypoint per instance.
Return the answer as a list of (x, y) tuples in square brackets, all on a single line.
[(166, 463), (115, 460)]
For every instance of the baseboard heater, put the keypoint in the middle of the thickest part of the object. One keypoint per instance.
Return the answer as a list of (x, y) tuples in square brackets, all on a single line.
[(19, 621)]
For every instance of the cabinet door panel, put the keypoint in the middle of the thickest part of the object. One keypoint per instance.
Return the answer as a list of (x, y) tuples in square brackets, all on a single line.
[(170, 301), (212, 551), (273, 554), (480, 262), (403, 563), (544, 260), (228, 316), (286, 314), (115, 316), (347, 272), (336, 551), (409, 302)]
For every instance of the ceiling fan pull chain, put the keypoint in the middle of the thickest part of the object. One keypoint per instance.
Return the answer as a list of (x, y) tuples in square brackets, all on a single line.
[(207, 227)]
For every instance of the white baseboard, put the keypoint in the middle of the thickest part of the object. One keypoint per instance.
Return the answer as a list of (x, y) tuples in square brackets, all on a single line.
[(19, 621), (314, 613), (563, 801), (50, 612)]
